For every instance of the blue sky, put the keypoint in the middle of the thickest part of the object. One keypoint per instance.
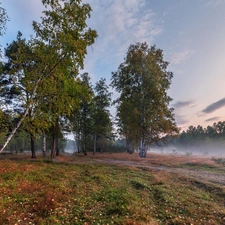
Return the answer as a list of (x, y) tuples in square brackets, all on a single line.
[(190, 32)]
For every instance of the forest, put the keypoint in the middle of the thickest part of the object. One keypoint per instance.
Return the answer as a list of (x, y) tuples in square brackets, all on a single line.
[(44, 95), (209, 140)]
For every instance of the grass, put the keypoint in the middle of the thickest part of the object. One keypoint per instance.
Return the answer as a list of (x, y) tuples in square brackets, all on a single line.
[(219, 160), (212, 167), (43, 192)]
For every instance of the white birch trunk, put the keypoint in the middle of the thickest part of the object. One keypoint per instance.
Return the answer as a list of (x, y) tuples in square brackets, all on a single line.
[(22, 118), (142, 150), (14, 130), (28, 106), (44, 144)]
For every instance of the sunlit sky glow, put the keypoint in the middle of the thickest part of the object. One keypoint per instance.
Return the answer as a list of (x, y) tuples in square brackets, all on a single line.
[(190, 32)]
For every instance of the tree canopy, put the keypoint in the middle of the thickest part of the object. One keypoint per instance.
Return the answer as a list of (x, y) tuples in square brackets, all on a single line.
[(91, 123), (44, 68), (42, 88), (143, 112)]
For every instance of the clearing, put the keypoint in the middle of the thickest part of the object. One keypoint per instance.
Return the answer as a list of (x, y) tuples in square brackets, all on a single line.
[(112, 188)]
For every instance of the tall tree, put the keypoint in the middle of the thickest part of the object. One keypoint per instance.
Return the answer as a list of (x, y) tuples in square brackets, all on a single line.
[(102, 125), (18, 78), (142, 81), (58, 49), (91, 123), (80, 119)]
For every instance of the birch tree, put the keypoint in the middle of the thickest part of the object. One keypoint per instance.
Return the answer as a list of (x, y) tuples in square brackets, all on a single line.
[(142, 81), (56, 52)]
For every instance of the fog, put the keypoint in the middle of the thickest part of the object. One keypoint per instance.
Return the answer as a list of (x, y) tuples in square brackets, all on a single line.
[(215, 150), (70, 146), (211, 149)]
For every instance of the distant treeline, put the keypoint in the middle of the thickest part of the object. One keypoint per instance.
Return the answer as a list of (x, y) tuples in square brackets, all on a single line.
[(195, 135), (197, 139)]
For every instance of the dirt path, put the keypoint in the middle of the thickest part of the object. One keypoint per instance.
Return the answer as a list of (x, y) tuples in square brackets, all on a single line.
[(204, 170), (204, 175), (214, 176)]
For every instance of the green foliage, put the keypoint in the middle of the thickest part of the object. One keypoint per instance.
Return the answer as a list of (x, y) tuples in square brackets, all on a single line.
[(102, 125), (4, 125), (80, 119), (113, 146), (21, 143), (44, 70), (91, 123), (209, 138), (142, 81)]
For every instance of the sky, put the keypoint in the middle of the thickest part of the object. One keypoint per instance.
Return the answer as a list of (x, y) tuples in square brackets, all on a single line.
[(190, 32)]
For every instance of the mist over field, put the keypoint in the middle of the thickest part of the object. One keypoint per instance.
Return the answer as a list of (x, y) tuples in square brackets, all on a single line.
[(217, 149)]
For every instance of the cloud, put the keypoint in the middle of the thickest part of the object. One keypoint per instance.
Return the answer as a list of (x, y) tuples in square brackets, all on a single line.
[(181, 104), (179, 57), (178, 106), (214, 2), (212, 119), (214, 106), (120, 24), (180, 120)]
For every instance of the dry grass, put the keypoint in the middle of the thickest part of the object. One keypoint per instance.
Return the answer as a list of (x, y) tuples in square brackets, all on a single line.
[(151, 159), (78, 190)]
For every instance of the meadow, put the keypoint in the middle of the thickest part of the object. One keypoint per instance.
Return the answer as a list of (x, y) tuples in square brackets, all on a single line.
[(110, 189)]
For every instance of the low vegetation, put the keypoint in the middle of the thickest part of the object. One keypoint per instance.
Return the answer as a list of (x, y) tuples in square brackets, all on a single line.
[(219, 160), (79, 190)]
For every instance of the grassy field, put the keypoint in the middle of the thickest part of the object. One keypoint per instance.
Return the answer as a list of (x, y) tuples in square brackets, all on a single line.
[(79, 190)]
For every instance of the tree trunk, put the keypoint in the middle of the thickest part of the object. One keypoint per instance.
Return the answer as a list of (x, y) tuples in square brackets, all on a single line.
[(14, 131), (22, 118), (130, 151), (44, 144), (76, 136), (95, 142), (142, 149), (78, 144), (57, 146), (53, 151), (33, 155), (84, 151), (84, 146)]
